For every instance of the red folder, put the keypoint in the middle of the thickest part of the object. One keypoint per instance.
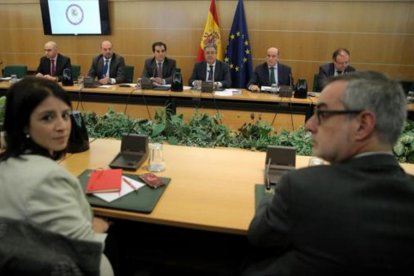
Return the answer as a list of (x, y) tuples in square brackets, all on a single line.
[(102, 181)]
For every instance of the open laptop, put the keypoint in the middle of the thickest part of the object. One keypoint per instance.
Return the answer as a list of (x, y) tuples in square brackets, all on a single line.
[(134, 151), (279, 160)]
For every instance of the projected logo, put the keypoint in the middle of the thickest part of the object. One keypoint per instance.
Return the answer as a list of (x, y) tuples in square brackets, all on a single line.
[(74, 14)]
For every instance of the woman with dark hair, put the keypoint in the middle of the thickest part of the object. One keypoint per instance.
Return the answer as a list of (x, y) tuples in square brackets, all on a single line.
[(34, 188)]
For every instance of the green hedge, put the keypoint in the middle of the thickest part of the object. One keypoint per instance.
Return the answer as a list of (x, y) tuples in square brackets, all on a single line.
[(203, 130)]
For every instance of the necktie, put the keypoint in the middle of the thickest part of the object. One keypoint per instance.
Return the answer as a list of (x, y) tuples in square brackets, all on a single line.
[(105, 69), (52, 67), (159, 69), (272, 75), (210, 73)]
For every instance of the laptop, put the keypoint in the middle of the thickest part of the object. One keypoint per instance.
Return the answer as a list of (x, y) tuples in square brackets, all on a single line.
[(279, 160), (134, 151)]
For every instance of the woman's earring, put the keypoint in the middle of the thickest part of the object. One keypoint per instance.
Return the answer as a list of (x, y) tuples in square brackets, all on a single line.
[(27, 135)]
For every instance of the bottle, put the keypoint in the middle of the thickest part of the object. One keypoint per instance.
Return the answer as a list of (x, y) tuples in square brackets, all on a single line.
[(177, 81)]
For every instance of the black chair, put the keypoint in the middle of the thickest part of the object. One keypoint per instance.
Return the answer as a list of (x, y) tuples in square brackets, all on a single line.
[(17, 69), (129, 73), (76, 69)]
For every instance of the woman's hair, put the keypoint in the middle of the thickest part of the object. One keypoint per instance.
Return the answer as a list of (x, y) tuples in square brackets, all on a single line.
[(21, 99)]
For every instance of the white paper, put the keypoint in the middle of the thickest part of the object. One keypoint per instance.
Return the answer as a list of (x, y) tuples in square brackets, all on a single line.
[(269, 88), (5, 78), (105, 86), (225, 92), (125, 189)]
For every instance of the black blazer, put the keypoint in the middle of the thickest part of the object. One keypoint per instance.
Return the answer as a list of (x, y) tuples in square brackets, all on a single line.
[(221, 73), (261, 75), (354, 218), (62, 63), (327, 70), (168, 68), (116, 70)]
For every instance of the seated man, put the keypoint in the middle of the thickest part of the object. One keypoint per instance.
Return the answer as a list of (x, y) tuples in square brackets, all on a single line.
[(53, 63), (356, 215), (270, 72), (211, 70), (339, 66), (107, 67), (159, 69)]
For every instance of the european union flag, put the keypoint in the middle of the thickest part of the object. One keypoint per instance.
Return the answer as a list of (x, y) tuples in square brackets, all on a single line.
[(238, 54)]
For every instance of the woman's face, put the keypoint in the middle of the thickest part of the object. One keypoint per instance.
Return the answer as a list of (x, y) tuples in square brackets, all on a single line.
[(50, 124)]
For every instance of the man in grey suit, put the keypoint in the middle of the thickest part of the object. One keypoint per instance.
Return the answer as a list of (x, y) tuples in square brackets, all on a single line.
[(107, 67), (338, 66), (211, 70), (356, 215), (159, 69), (270, 72)]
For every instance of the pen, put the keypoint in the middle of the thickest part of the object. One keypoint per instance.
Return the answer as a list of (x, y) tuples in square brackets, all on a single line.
[(130, 185)]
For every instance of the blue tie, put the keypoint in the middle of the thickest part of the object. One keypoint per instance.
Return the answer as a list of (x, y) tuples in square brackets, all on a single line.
[(105, 68)]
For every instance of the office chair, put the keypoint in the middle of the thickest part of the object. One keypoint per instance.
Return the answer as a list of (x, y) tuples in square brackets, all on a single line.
[(76, 69), (18, 69), (129, 73), (315, 87)]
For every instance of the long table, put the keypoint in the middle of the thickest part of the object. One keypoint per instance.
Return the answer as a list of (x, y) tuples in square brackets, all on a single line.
[(211, 189)]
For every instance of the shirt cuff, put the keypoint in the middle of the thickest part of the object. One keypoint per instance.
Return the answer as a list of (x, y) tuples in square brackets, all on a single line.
[(113, 81)]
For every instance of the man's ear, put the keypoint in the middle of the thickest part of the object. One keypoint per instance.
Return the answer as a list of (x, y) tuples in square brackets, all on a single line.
[(366, 125)]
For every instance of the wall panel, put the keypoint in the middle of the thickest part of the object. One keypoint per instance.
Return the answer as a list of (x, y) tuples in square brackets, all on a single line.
[(379, 34)]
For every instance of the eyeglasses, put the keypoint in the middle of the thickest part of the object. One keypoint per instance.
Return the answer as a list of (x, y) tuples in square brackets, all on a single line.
[(324, 114)]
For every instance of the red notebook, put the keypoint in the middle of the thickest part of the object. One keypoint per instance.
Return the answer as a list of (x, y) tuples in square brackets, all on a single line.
[(102, 181)]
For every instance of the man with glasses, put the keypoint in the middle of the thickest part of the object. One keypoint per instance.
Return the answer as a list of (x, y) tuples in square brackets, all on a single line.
[(159, 69), (356, 215), (211, 70), (338, 66)]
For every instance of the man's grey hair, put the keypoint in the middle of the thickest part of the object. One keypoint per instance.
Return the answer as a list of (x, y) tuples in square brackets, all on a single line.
[(374, 92)]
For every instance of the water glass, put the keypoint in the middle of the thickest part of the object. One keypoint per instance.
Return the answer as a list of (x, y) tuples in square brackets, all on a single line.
[(156, 159)]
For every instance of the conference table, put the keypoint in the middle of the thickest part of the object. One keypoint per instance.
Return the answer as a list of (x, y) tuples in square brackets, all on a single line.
[(211, 189)]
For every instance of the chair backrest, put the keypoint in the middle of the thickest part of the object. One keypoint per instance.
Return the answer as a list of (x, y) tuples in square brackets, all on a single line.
[(26, 250), (17, 69), (76, 69), (315, 87), (129, 73)]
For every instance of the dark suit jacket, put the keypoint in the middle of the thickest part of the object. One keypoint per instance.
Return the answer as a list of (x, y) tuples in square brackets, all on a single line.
[(327, 70), (355, 218), (116, 69), (261, 75), (221, 73), (62, 63), (168, 68)]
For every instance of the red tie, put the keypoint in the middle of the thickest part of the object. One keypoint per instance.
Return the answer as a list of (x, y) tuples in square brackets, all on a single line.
[(53, 67)]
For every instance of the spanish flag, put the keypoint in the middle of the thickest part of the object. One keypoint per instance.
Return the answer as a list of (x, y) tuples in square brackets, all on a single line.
[(211, 34)]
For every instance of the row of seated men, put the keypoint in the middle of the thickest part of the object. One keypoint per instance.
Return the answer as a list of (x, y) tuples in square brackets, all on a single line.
[(108, 67)]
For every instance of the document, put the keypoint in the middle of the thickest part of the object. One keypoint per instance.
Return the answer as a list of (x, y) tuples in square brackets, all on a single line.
[(128, 185)]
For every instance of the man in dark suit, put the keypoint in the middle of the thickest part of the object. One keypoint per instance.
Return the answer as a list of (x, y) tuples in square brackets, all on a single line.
[(159, 69), (107, 67), (356, 215), (270, 72), (211, 70), (52, 64), (339, 66)]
